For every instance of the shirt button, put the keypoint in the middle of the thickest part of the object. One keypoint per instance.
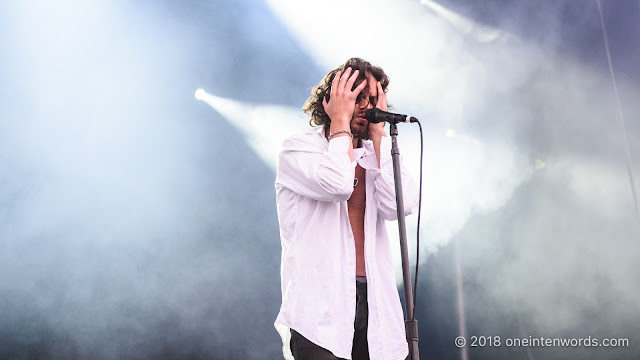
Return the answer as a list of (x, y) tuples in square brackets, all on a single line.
[(351, 262)]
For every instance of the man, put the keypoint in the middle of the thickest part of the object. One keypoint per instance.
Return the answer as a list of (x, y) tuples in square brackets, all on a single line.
[(334, 191)]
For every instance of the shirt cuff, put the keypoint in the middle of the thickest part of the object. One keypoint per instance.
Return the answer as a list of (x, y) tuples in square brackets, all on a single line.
[(339, 144)]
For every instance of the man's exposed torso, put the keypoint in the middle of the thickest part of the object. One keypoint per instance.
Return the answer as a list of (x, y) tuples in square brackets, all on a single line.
[(356, 204)]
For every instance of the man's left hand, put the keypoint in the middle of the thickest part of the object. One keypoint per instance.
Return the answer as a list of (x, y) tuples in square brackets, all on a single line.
[(376, 131)]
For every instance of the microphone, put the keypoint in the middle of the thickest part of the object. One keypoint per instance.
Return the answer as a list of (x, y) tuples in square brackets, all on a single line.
[(375, 115)]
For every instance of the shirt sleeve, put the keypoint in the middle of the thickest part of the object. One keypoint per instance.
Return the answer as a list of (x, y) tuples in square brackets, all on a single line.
[(314, 173), (385, 194)]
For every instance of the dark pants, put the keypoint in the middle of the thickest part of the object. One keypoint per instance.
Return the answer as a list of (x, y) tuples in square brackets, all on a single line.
[(303, 349)]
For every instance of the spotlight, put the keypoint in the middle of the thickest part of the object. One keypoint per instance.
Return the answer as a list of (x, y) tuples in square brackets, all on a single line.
[(200, 93)]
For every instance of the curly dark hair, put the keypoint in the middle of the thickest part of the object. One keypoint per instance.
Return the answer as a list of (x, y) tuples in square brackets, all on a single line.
[(313, 107)]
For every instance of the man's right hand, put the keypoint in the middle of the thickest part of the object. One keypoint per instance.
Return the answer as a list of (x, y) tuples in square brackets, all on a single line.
[(342, 102)]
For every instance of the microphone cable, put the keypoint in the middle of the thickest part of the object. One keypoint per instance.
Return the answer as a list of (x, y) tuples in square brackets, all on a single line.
[(415, 283)]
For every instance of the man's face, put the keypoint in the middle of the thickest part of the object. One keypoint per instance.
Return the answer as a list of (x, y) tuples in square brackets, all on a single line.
[(366, 100)]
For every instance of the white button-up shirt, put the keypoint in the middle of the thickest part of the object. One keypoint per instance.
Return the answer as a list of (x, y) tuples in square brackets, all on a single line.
[(314, 180)]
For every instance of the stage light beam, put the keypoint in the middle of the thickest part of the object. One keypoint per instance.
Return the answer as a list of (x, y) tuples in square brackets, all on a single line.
[(263, 126)]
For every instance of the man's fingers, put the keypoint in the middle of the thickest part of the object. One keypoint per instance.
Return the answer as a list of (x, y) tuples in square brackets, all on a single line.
[(352, 79), (382, 98), (360, 87), (334, 83), (344, 78)]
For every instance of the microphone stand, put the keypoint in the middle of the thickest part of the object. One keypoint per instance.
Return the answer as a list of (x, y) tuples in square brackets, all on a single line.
[(410, 324)]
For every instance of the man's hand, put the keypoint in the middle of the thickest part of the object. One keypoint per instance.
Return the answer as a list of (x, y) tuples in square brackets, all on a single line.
[(376, 131), (342, 102)]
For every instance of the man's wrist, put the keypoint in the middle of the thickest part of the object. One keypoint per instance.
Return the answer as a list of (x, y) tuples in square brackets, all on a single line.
[(342, 121), (377, 136), (343, 132), (338, 126)]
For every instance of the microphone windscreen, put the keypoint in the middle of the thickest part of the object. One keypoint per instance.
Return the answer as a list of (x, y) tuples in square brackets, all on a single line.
[(371, 115)]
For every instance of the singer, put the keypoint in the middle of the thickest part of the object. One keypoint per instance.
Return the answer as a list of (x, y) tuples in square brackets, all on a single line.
[(334, 191)]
